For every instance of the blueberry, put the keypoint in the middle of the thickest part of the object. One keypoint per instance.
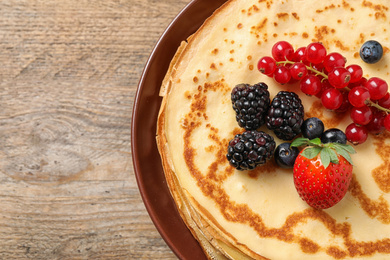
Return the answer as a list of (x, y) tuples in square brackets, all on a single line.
[(334, 135), (285, 155), (371, 51), (312, 128)]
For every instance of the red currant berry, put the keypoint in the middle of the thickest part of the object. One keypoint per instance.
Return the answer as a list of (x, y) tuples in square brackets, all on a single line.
[(361, 115), (344, 107), (356, 134), (282, 75), (339, 77), (315, 52), (358, 96), (298, 70), (377, 88), (361, 82), (385, 101), (334, 60), (386, 122), (299, 55), (331, 98), (311, 85), (282, 51), (266, 65), (356, 73), (324, 85), (376, 125)]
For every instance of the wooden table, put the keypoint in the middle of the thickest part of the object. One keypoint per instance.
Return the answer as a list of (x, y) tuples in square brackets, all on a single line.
[(68, 76)]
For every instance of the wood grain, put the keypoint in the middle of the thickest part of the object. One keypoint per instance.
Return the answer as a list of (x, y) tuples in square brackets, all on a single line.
[(68, 76)]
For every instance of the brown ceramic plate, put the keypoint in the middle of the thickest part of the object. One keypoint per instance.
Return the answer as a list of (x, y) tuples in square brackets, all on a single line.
[(146, 159)]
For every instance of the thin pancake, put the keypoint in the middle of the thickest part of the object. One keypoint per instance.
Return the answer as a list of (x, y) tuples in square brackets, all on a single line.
[(259, 213)]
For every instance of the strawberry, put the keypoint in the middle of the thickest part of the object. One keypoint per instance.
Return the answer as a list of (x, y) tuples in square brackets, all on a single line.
[(322, 172)]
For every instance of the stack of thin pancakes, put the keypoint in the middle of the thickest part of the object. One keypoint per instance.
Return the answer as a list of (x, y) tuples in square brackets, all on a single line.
[(258, 214)]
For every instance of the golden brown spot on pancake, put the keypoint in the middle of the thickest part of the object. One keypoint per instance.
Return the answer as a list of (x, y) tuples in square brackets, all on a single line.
[(225, 29), (379, 15), (232, 42), (187, 94), (386, 50), (199, 71), (321, 32), (305, 35), (356, 55), (336, 252), (275, 35), (249, 57), (345, 4), (250, 67), (375, 209), (195, 79), (207, 75), (341, 46), (308, 246), (283, 16), (319, 11), (295, 15), (231, 59), (317, 110), (339, 21), (239, 26), (232, 51), (374, 7), (381, 174), (275, 24), (260, 26), (213, 66), (215, 51)]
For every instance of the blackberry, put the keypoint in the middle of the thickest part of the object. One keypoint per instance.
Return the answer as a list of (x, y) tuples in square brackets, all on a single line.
[(285, 116), (251, 103), (250, 149)]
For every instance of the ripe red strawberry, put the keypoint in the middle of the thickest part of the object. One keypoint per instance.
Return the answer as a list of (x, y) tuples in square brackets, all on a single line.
[(322, 172)]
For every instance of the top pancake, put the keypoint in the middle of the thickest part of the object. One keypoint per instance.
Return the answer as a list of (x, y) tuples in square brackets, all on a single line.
[(260, 212)]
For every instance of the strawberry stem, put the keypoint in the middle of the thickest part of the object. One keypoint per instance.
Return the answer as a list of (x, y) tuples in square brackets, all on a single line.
[(325, 76)]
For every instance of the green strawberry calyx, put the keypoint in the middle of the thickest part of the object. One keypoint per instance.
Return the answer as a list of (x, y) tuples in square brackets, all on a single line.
[(328, 152)]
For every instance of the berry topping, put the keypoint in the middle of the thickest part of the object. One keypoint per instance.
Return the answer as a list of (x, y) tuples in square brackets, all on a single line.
[(340, 88), (266, 65), (250, 102), (285, 155), (285, 115), (312, 128), (333, 135), (358, 96), (377, 88), (332, 98), (315, 53), (282, 51), (322, 172), (356, 134), (310, 85), (371, 51), (334, 60), (250, 149)]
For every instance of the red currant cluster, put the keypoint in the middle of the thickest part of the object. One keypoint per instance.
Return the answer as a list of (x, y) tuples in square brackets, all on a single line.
[(341, 88)]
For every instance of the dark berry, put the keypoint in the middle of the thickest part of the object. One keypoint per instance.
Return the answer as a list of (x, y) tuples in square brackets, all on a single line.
[(371, 51), (250, 149), (285, 155), (333, 135), (312, 128), (285, 116), (251, 103)]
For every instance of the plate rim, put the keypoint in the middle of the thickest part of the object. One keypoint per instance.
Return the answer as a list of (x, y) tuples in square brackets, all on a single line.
[(135, 118)]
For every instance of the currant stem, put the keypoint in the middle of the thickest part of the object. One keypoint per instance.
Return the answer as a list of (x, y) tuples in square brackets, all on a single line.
[(369, 102)]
